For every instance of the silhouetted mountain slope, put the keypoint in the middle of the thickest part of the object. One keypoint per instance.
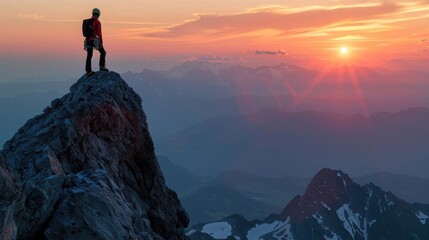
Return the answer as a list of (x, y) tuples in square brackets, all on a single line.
[(409, 188), (274, 191), (215, 202), (332, 207), (86, 169), (179, 179), (277, 143)]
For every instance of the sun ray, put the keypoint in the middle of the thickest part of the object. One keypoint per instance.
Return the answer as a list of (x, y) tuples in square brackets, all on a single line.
[(312, 86)]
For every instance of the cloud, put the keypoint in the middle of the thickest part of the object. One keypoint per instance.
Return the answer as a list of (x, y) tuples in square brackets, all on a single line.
[(350, 38), (134, 23), (216, 59), (279, 21), (265, 52), (36, 17), (28, 16)]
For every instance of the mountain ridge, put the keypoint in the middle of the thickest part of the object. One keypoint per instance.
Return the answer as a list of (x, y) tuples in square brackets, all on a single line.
[(356, 143)]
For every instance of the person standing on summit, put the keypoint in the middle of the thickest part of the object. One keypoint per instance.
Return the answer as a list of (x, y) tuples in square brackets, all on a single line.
[(91, 29)]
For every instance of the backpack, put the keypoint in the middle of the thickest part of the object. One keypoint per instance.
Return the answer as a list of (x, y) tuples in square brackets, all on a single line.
[(87, 29)]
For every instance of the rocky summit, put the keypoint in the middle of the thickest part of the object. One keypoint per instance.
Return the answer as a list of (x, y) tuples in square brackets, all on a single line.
[(86, 169)]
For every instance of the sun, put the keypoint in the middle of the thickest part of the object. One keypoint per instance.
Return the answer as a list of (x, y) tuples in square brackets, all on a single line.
[(344, 50)]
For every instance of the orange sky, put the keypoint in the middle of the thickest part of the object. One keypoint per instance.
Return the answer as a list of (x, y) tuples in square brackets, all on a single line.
[(164, 29)]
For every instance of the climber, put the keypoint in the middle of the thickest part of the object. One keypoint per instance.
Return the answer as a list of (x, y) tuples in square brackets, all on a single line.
[(91, 29)]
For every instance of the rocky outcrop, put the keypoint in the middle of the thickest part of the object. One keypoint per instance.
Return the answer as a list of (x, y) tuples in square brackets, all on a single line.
[(86, 169)]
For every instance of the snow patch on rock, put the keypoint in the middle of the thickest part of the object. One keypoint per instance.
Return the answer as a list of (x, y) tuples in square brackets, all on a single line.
[(326, 206), (422, 217), (218, 230), (353, 222), (278, 230)]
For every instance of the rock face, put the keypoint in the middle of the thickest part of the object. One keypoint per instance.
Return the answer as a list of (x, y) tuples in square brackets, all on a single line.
[(9, 195), (86, 169), (332, 207)]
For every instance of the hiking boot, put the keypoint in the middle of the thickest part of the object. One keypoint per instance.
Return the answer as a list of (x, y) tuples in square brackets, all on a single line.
[(104, 69), (89, 74)]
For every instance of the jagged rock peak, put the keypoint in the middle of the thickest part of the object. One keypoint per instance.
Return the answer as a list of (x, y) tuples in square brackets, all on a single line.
[(329, 182), (86, 169), (328, 189)]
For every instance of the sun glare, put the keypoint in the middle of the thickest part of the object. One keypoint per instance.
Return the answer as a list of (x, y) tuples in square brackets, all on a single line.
[(344, 50)]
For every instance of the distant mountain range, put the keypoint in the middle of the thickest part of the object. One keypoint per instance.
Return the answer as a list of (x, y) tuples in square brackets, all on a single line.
[(332, 207), (277, 143), (196, 90), (215, 80)]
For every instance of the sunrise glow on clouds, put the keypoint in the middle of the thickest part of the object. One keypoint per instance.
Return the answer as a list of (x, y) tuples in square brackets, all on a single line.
[(367, 26), (166, 29)]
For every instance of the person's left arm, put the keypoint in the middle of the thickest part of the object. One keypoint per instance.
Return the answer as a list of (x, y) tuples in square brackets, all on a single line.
[(98, 30)]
